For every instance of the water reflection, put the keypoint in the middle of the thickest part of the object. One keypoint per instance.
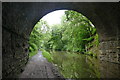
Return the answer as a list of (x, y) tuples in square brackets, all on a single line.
[(72, 65)]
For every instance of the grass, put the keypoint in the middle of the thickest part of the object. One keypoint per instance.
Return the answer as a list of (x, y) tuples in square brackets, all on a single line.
[(47, 55)]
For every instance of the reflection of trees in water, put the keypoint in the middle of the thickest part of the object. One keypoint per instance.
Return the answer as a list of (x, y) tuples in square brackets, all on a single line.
[(73, 65)]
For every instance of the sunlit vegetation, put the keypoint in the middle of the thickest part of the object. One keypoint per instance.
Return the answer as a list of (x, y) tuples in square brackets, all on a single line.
[(75, 34)]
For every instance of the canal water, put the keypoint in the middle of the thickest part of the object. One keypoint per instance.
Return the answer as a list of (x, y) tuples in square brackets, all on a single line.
[(73, 65)]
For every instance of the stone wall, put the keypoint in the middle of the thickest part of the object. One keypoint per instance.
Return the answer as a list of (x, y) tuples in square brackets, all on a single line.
[(15, 33), (109, 70), (110, 51), (15, 53)]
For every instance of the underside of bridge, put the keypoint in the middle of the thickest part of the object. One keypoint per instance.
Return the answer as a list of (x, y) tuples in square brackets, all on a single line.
[(18, 20)]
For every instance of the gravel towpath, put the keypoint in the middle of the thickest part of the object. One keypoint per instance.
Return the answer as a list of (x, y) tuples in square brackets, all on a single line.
[(39, 67)]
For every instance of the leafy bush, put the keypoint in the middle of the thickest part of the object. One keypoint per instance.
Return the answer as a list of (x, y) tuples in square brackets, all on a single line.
[(33, 46), (33, 49)]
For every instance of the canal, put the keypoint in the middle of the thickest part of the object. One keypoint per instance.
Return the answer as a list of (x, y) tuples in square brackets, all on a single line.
[(74, 65)]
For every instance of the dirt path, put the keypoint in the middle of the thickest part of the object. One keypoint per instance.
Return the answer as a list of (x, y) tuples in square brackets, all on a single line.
[(39, 67)]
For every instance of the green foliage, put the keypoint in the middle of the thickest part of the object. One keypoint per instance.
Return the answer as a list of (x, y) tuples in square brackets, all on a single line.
[(33, 47), (37, 37)]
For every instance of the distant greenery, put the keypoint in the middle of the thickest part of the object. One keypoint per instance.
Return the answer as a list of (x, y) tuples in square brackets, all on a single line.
[(75, 33)]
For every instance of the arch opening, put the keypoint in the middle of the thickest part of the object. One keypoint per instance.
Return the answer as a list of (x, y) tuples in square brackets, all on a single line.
[(71, 33), (65, 23)]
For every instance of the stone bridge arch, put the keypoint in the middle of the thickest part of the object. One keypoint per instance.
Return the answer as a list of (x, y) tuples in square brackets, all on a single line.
[(18, 20)]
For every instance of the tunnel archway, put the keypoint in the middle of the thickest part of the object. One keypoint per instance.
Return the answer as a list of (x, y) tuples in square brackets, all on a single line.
[(19, 19)]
